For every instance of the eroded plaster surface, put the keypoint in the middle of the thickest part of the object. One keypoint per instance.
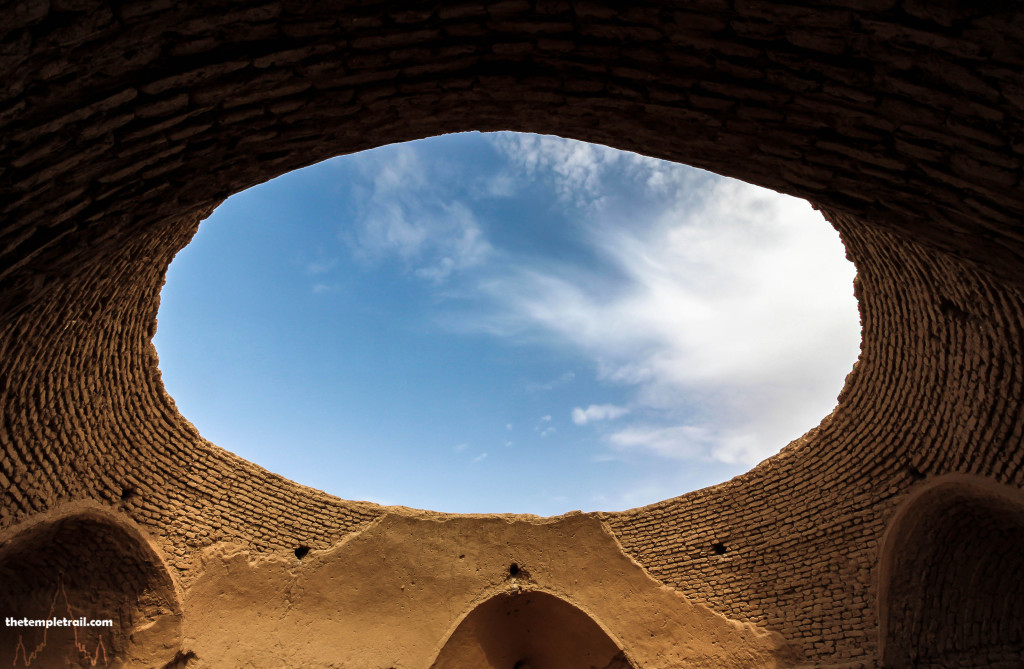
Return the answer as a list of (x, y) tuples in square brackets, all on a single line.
[(123, 125), (394, 593)]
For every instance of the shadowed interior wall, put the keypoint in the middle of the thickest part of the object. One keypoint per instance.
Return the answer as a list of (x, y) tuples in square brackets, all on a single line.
[(122, 126), (86, 564), (952, 594), (529, 630)]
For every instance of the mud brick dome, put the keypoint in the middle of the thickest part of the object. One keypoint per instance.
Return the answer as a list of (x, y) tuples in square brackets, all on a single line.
[(890, 535)]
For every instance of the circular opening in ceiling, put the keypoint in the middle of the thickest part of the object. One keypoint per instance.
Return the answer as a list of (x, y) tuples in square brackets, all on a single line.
[(505, 322)]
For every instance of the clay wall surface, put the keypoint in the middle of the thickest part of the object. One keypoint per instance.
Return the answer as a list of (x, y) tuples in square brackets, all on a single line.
[(531, 624), (122, 126), (420, 590)]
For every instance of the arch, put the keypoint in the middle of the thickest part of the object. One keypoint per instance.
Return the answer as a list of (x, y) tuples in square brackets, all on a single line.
[(950, 591), (529, 629), (123, 124), (87, 563)]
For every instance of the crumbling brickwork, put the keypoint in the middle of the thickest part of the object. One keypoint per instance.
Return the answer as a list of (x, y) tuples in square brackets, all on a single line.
[(123, 125)]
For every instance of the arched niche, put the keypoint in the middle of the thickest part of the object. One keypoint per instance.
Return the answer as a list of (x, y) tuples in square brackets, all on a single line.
[(903, 118), (94, 565), (951, 593), (530, 630)]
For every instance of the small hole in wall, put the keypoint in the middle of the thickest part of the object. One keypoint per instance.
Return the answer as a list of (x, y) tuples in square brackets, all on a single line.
[(513, 569), (181, 660), (719, 549), (301, 552), (127, 492), (950, 309), (915, 472)]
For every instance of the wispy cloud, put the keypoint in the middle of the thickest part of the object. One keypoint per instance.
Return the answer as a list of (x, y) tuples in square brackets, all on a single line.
[(596, 412), (681, 442), (544, 426), (732, 313), (401, 214), (578, 168), (726, 309)]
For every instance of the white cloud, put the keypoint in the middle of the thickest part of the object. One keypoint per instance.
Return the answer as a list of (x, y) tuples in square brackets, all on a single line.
[(679, 442), (726, 309), (578, 167), (597, 412), (732, 309), (546, 418), (480, 457), (400, 214)]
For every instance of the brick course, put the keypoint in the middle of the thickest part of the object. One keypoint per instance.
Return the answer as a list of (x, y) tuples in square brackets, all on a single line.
[(121, 127)]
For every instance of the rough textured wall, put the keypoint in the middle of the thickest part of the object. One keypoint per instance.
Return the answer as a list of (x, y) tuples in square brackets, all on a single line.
[(414, 589), (83, 561), (932, 393), (122, 125), (951, 591)]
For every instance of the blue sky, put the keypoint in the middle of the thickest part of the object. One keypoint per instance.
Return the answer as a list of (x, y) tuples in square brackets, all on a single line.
[(507, 323)]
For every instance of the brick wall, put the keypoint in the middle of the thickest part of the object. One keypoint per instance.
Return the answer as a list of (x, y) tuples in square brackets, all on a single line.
[(950, 586), (121, 126)]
